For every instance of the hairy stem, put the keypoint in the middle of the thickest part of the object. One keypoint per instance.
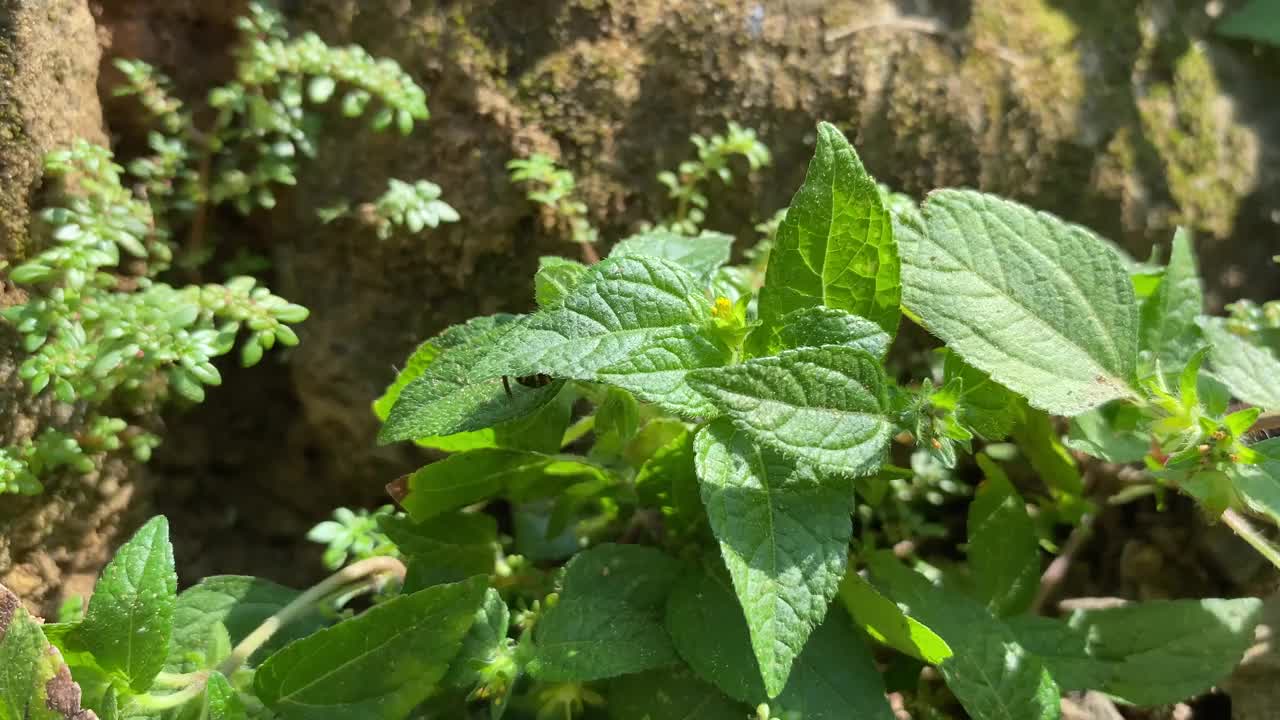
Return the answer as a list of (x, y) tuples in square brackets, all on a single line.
[(1250, 534), (356, 573)]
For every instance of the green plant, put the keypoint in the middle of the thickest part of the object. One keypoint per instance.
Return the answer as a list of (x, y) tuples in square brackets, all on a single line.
[(553, 187), (686, 183), (413, 206), (101, 328), (352, 535), (677, 475)]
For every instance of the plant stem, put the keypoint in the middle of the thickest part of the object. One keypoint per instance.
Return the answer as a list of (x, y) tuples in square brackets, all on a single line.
[(155, 703), (1250, 534), (352, 574), (177, 680)]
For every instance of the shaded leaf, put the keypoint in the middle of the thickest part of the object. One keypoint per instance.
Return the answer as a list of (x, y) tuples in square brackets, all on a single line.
[(1004, 551)]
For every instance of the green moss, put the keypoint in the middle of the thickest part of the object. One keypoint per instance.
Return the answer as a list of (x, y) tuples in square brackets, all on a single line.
[(1207, 157)]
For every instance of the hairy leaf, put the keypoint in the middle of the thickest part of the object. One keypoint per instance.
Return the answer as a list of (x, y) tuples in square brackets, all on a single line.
[(985, 406), (992, 676), (818, 325), (834, 248), (700, 255), (377, 665), (447, 399), (828, 406), (130, 617), (1148, 653), (1041, 305), (445, 549), (1169, 329), (657, 372), (555, 278), (469, 477), (708, 629), (834, 678), (886, 623), (619, 308), (608, 620), (1004, 552), (1248, 370), (784, 534)]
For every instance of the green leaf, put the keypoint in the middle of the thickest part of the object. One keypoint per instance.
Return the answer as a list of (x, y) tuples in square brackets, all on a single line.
[(556, 276), (1111, 432), (1259, 20), (35, 684), (1249, 371), (448, 548), (1259, 485), (834, 248), (708, 629), (658, 373), (992, 676), (484, 643), (985, 406), (1043, 306), (130, 617), (540, 431), (669, 480), (1168, 320), (828, 406), (1039, 440), (700, 255), (476, 475), (223, 701), (886, 623), (1150, 653), (835, 678), (1004, 552), (818, 325), (670, 694), (608, 619), (376, 666), (447, 399), (784, 535), (239, 603), (619, 308)]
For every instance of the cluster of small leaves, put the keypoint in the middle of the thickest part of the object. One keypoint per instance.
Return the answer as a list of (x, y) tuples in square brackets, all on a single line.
[(98, 327), (553, 187), (686, 184), (732, 441), (412, 206), (352, 535)]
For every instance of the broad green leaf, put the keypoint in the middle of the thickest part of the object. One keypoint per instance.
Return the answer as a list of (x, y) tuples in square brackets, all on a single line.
[(985, 406), (669, 480), (708, 629), (1004, 552), (828, 406), (483, 645), (1168, 320), (886, 623), (540, 431), (1252, 373), (834, 248), (1111, 432), (1259, 20), (617, 422), (670, 694), (619, 308), (992, 676), (608, 619), (376, 666), (835, 678), (447, 399), (427, 352), (223, 702), (784, 535), (1039, 440), (1041, 305), (658, 372), (818, 325), (444, 549), (476, 475), (1259, 485), (700, 255), (239, 603), (1150, 653), (130, 617), (555, 278), (35, 684)]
